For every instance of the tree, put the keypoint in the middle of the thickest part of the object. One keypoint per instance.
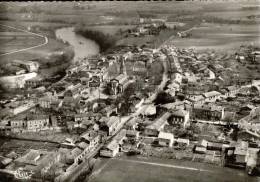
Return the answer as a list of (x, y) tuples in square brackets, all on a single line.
[(164, 98)]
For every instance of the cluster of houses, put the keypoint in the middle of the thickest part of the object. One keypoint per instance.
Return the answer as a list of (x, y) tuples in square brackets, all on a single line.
[(81, 102), (143, 29)]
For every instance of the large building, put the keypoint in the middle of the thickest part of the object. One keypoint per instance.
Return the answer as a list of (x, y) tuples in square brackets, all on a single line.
[(157, 126), (37, 122), (112, 125), (208, 112), (30, 66), (180, 117)]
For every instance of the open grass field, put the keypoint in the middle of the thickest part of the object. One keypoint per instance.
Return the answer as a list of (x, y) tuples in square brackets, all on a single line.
[(12, 40), (30, 54), (161, 170), (238, 14), (16, 42), (221, 37)]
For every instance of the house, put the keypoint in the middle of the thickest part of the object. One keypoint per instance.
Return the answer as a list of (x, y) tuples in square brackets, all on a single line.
[(203, 143), (68, 103), (110, 150), (19, 107), (120, 137), (38, 161), (112, 125), (212, 96), (217, 146), (68, 143), (132, 134), (177, 78), (83, 145), (256, 56), (30, 66), (35, 82), (18, 123), (72, 93), (91, 137), (182, 141), (154, 128), (131, 124), (208, 112), (200, 149), (37, 122), (230, 91), (180, 117), (175, 105), (241, 151), (74, 156), (196, 99), (79, 118), (165, 139), (109, 110), (45, 102), (4, 161)]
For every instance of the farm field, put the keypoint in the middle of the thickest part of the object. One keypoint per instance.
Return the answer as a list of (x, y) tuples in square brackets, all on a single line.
[(12, 40), (17, 42), (220, 37), (234, 15), (157, 170)]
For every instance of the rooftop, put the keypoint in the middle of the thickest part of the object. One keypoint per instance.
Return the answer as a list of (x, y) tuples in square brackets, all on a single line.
[(112, 120), (180, 112), (211, 94), (160, 121), (210, 107), (164, 135)]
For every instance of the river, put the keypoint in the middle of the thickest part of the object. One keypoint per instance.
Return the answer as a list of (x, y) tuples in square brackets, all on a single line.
[(82, 47)]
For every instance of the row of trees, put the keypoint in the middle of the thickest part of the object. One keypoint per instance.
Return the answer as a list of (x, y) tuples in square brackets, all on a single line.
[(105, 41), (210, 19)]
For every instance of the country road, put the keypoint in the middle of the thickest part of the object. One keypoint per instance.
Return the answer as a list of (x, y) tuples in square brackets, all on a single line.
[(28, 48)]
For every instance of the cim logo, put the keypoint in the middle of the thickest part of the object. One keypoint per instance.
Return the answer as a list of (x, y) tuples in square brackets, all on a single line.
[(21, 174)]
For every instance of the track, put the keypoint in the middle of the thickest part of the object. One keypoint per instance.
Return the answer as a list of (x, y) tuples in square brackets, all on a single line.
[(28, 48), (164, 165)]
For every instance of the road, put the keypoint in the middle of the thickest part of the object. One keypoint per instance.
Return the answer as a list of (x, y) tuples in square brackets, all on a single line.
[(162, 84), (46, 40)]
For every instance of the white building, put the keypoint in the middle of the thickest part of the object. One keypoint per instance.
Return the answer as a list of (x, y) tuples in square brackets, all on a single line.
[(165, 139)]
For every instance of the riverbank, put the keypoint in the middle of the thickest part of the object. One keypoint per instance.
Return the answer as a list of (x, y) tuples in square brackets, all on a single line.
[(82, 46), (105, 41)]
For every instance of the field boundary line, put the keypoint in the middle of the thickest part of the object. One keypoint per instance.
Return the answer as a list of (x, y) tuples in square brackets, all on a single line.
[(46, 40), (164, 165)]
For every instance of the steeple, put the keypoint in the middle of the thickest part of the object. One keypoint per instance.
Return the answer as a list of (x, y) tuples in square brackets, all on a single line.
[(122, 66)]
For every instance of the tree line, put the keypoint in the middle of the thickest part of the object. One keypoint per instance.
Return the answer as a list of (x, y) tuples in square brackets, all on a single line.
[(105, 41)]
